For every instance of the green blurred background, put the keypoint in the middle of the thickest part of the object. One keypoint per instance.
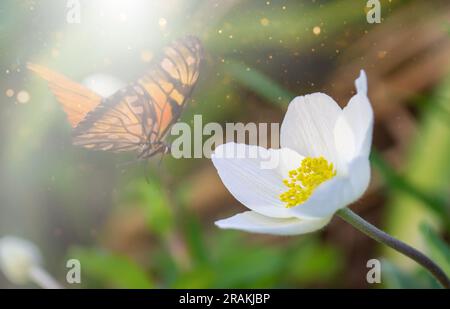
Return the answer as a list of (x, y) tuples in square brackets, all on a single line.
[(152, 225)]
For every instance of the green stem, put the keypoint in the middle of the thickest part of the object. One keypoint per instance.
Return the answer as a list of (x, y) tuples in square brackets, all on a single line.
[(373, 232)]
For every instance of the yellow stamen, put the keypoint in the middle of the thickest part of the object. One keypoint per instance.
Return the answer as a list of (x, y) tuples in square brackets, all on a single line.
[(303, 180)]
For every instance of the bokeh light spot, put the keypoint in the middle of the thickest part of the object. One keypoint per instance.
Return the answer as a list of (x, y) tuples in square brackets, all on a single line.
[(23, 97)]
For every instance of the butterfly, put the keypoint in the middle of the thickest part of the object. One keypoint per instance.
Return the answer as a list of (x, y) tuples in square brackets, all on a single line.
[(138, 116)]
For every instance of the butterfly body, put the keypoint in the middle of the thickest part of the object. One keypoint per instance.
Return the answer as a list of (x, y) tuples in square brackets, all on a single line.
[(138, 116)]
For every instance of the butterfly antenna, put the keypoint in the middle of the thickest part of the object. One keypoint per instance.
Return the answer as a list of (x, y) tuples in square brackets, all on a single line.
[(166, 150), (160, 162)]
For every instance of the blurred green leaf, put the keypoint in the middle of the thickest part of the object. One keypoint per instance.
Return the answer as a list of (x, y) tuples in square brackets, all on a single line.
[(198, 278), (312, 262), (440, 251), (194, 238), (395, 278), (427, 167), (110, 269), (241, 265), (151, 197), (397, 182), (164, 266), (254, 80), (234, 263)]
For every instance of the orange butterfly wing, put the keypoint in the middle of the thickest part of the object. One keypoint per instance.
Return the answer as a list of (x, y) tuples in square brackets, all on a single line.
[(138, 116), (76, 100), (171, 81), (116, 124)]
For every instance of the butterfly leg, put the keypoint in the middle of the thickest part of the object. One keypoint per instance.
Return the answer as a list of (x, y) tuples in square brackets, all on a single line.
[(155, 148), (165, 149)]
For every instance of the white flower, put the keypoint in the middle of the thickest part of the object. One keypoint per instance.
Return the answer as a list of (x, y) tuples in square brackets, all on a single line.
[(322, 166), (17, 258), (21, 262)]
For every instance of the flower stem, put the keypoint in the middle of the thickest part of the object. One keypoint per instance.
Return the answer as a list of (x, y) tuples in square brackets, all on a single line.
[(373, 232), (43, 279)]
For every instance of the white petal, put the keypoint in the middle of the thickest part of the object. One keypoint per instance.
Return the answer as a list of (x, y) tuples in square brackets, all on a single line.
[(309, 124), (361, 83), (353, 130), (254, 175), (345, 143), (359, 169), (288, 161), (251, 221), (337, 192)]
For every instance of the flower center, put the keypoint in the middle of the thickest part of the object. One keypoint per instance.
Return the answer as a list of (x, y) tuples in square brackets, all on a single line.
[(303, 180)]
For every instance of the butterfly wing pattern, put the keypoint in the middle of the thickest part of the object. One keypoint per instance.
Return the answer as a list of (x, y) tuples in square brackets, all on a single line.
[(76, 100), (137, 117)]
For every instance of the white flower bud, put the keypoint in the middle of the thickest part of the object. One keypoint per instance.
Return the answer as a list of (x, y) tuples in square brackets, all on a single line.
[(17, 258)]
